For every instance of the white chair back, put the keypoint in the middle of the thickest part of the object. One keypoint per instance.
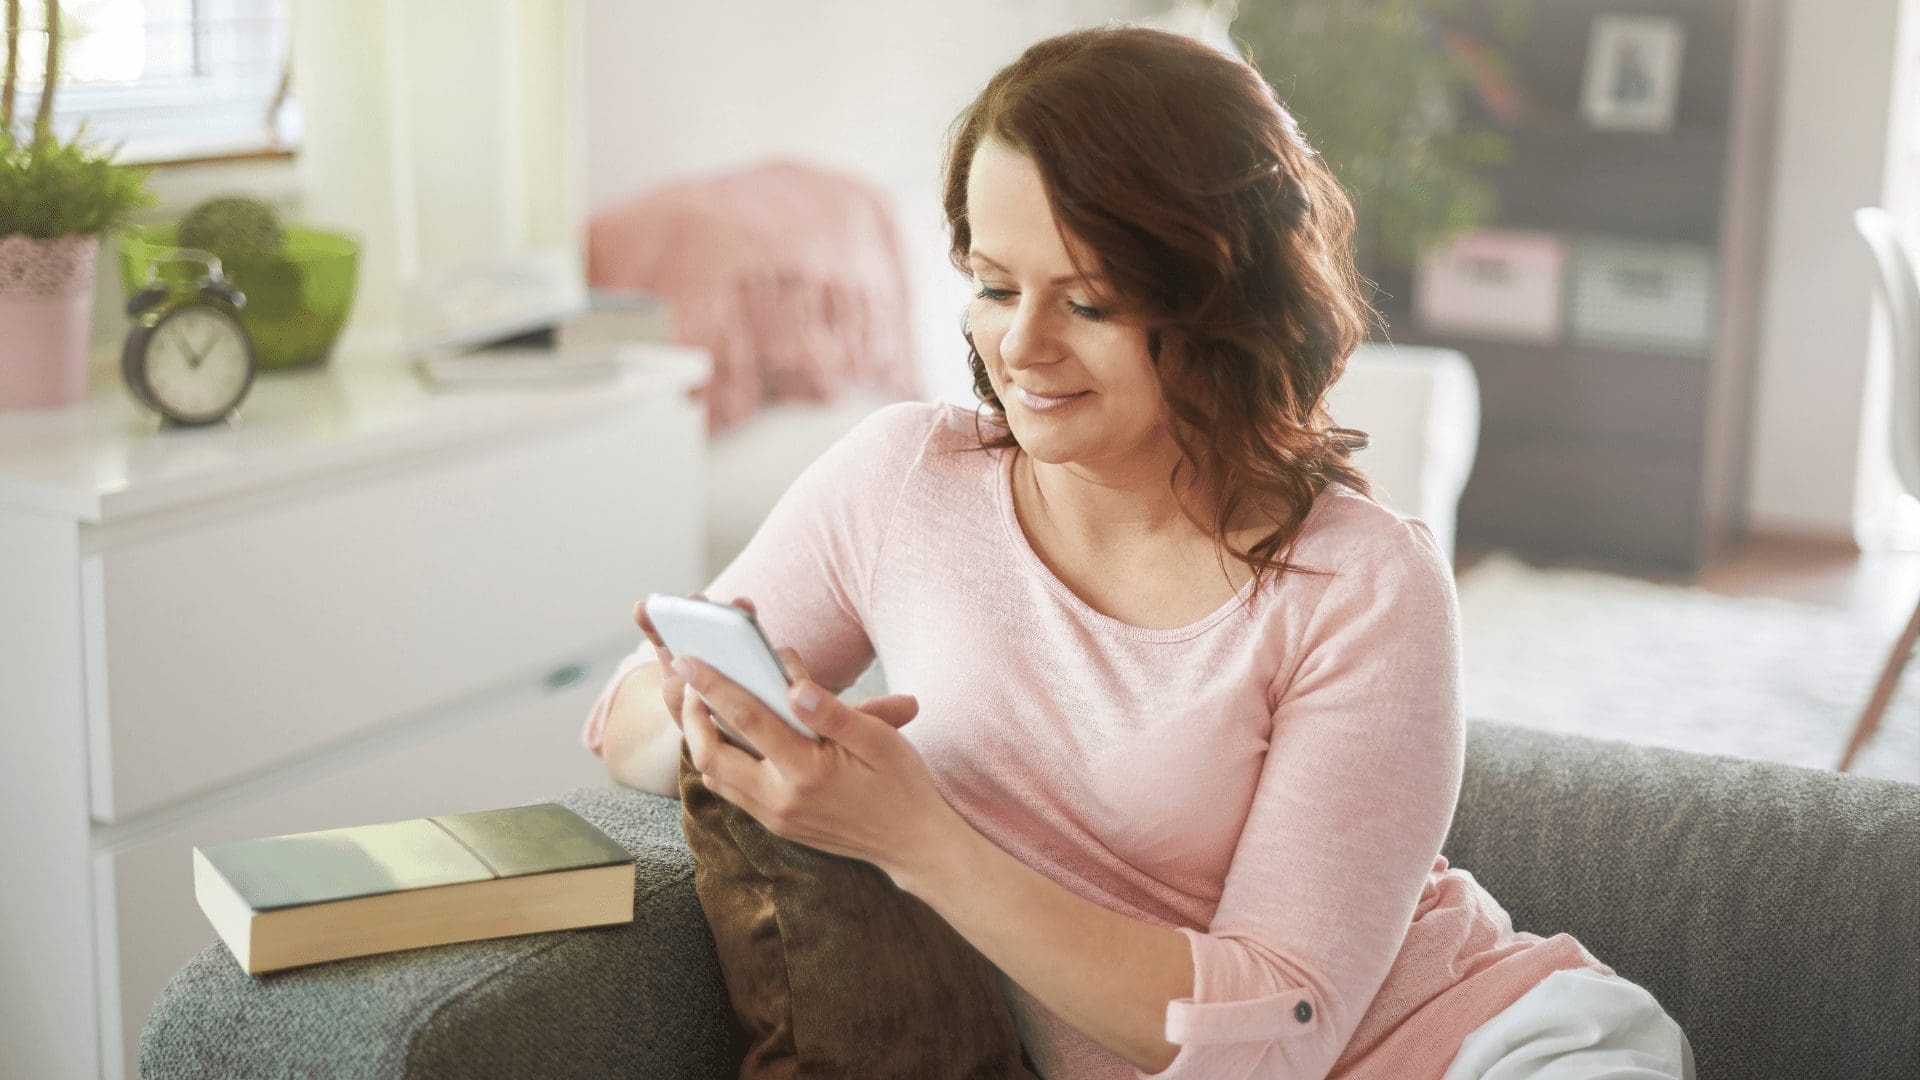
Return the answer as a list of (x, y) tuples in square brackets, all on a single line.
[(1420, 407), (1899, 286)]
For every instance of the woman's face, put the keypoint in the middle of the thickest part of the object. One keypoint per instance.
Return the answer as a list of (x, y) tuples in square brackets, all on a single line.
[(1038, 326)]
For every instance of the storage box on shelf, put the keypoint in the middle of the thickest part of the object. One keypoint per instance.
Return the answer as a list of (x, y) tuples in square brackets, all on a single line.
[(1634, 295), (1495, 283)]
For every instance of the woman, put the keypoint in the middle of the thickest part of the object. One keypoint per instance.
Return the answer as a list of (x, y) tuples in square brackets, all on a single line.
[(1188, 733)]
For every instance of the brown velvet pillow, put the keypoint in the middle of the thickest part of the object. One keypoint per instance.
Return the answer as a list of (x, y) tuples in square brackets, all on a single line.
[(831, 968)]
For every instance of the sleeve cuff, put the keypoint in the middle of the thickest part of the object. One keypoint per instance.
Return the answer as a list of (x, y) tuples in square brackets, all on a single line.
[(1235, 999), (1243, 1038), (1288, 1015)]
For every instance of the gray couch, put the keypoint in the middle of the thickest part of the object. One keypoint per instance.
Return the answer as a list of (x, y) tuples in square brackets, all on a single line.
[(1774, 911)]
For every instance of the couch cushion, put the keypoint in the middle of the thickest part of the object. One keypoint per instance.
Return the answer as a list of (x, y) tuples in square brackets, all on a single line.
[(1774, 911), (832, 969)]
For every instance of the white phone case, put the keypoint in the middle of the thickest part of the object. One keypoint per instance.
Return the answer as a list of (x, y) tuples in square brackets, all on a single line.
[(728, 640)]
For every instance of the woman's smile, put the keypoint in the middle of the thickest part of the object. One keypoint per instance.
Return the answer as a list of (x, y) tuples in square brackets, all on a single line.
[(1040, 403)]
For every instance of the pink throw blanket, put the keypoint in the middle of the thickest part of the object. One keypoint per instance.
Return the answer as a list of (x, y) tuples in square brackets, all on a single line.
[(791, 276)]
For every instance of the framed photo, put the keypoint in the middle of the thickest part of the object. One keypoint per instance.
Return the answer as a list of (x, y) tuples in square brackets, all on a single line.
[(1632, 79)]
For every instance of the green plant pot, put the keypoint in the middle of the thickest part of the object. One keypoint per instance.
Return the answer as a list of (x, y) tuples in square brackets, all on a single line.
[(297, 300)]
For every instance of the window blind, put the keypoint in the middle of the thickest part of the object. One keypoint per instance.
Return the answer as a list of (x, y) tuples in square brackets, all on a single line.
[(163, 79)]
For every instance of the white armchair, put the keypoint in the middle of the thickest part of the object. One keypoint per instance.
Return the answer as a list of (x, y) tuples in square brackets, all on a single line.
[(1421, 409)]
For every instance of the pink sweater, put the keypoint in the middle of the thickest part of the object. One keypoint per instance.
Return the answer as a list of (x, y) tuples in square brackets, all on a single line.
[(1275, 786)]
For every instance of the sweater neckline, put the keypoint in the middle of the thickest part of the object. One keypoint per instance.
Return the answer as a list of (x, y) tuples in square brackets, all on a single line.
[(1003, 492)]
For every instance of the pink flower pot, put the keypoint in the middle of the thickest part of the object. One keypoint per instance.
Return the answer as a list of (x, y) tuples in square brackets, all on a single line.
[(46, 320)]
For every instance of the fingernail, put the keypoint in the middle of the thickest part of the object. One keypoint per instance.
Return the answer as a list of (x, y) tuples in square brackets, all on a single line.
[(806, 697)]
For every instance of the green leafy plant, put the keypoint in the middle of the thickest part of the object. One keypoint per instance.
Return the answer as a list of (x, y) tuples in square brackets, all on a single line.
[(1376, 91), (230, 225), (49, 187)]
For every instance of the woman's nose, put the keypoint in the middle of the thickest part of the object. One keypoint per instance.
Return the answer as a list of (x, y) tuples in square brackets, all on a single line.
[(1029, 338)]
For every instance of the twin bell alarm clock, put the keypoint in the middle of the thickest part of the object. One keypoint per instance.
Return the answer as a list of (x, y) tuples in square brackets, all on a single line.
[(187, 357)]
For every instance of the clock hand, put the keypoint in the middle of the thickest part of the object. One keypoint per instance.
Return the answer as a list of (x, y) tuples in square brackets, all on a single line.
[(195, 357)]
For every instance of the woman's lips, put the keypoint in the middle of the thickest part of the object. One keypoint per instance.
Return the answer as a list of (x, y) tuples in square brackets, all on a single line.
[(1047, 404)]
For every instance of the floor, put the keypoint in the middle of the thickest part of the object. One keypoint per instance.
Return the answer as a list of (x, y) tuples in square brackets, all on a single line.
[(1878, 588)]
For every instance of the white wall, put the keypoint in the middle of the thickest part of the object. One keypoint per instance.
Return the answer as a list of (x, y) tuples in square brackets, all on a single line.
[(677, 90), (1809, 433)]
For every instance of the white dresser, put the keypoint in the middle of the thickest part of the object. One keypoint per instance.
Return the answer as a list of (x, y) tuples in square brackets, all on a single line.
[(365, 599)]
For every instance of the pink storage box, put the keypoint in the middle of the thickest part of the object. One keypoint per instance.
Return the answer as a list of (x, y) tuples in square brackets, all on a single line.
[(1497, 283)]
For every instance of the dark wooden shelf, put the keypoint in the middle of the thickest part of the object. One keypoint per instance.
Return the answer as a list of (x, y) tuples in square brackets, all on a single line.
[(1581, 391), (1551, 493), (1589, 452), (1654, 187)]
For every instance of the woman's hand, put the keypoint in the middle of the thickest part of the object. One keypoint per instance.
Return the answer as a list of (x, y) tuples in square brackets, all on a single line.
[(895, 709), (863, 791)]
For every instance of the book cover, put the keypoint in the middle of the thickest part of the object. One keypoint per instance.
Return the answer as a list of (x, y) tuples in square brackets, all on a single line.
[(302, 898)]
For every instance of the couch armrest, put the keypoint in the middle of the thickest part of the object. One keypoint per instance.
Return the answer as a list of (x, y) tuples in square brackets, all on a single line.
[(643, 999)]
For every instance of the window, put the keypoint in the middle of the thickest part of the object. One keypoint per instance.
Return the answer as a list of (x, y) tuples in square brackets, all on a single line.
[(165, 79)]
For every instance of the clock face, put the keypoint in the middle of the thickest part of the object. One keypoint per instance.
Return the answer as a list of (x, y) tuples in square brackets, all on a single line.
[(198, 363)]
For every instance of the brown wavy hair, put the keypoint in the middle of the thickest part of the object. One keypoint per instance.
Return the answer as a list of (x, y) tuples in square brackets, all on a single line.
[(1219, 228)]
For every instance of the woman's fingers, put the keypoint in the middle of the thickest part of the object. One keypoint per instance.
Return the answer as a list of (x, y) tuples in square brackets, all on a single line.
[(704, 740), (711, 752), (790, 660), (744, 713), (673, 691), (895, 709), (673, 688)]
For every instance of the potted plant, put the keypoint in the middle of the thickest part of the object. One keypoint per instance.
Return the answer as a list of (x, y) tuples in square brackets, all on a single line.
[(56, 198), (1378, 88)]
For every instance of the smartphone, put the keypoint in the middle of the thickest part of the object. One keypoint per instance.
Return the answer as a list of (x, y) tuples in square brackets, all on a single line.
[(729, 640)]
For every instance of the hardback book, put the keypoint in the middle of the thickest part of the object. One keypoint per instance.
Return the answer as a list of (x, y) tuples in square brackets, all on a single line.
[(304, 898)]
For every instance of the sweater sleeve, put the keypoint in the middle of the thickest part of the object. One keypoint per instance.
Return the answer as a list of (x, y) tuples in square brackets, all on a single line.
[(808, 565), (1362, 772)]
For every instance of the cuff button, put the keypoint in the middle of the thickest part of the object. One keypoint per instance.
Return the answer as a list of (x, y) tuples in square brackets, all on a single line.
[(1303, 1012)]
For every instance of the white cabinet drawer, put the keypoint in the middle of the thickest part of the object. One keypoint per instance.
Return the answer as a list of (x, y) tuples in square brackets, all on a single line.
[(236, 644), (149, 925)]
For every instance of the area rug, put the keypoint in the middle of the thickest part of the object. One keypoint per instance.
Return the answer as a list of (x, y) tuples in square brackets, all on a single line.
[(1621, 658)]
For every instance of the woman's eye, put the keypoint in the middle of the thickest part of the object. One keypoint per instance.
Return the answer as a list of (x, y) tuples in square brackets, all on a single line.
[(988, 292)]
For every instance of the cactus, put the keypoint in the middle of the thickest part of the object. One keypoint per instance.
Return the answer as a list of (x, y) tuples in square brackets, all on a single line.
[(233, 225)]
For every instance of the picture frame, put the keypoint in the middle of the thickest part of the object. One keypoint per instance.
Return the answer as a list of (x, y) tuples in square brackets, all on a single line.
[(1632, 76)]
